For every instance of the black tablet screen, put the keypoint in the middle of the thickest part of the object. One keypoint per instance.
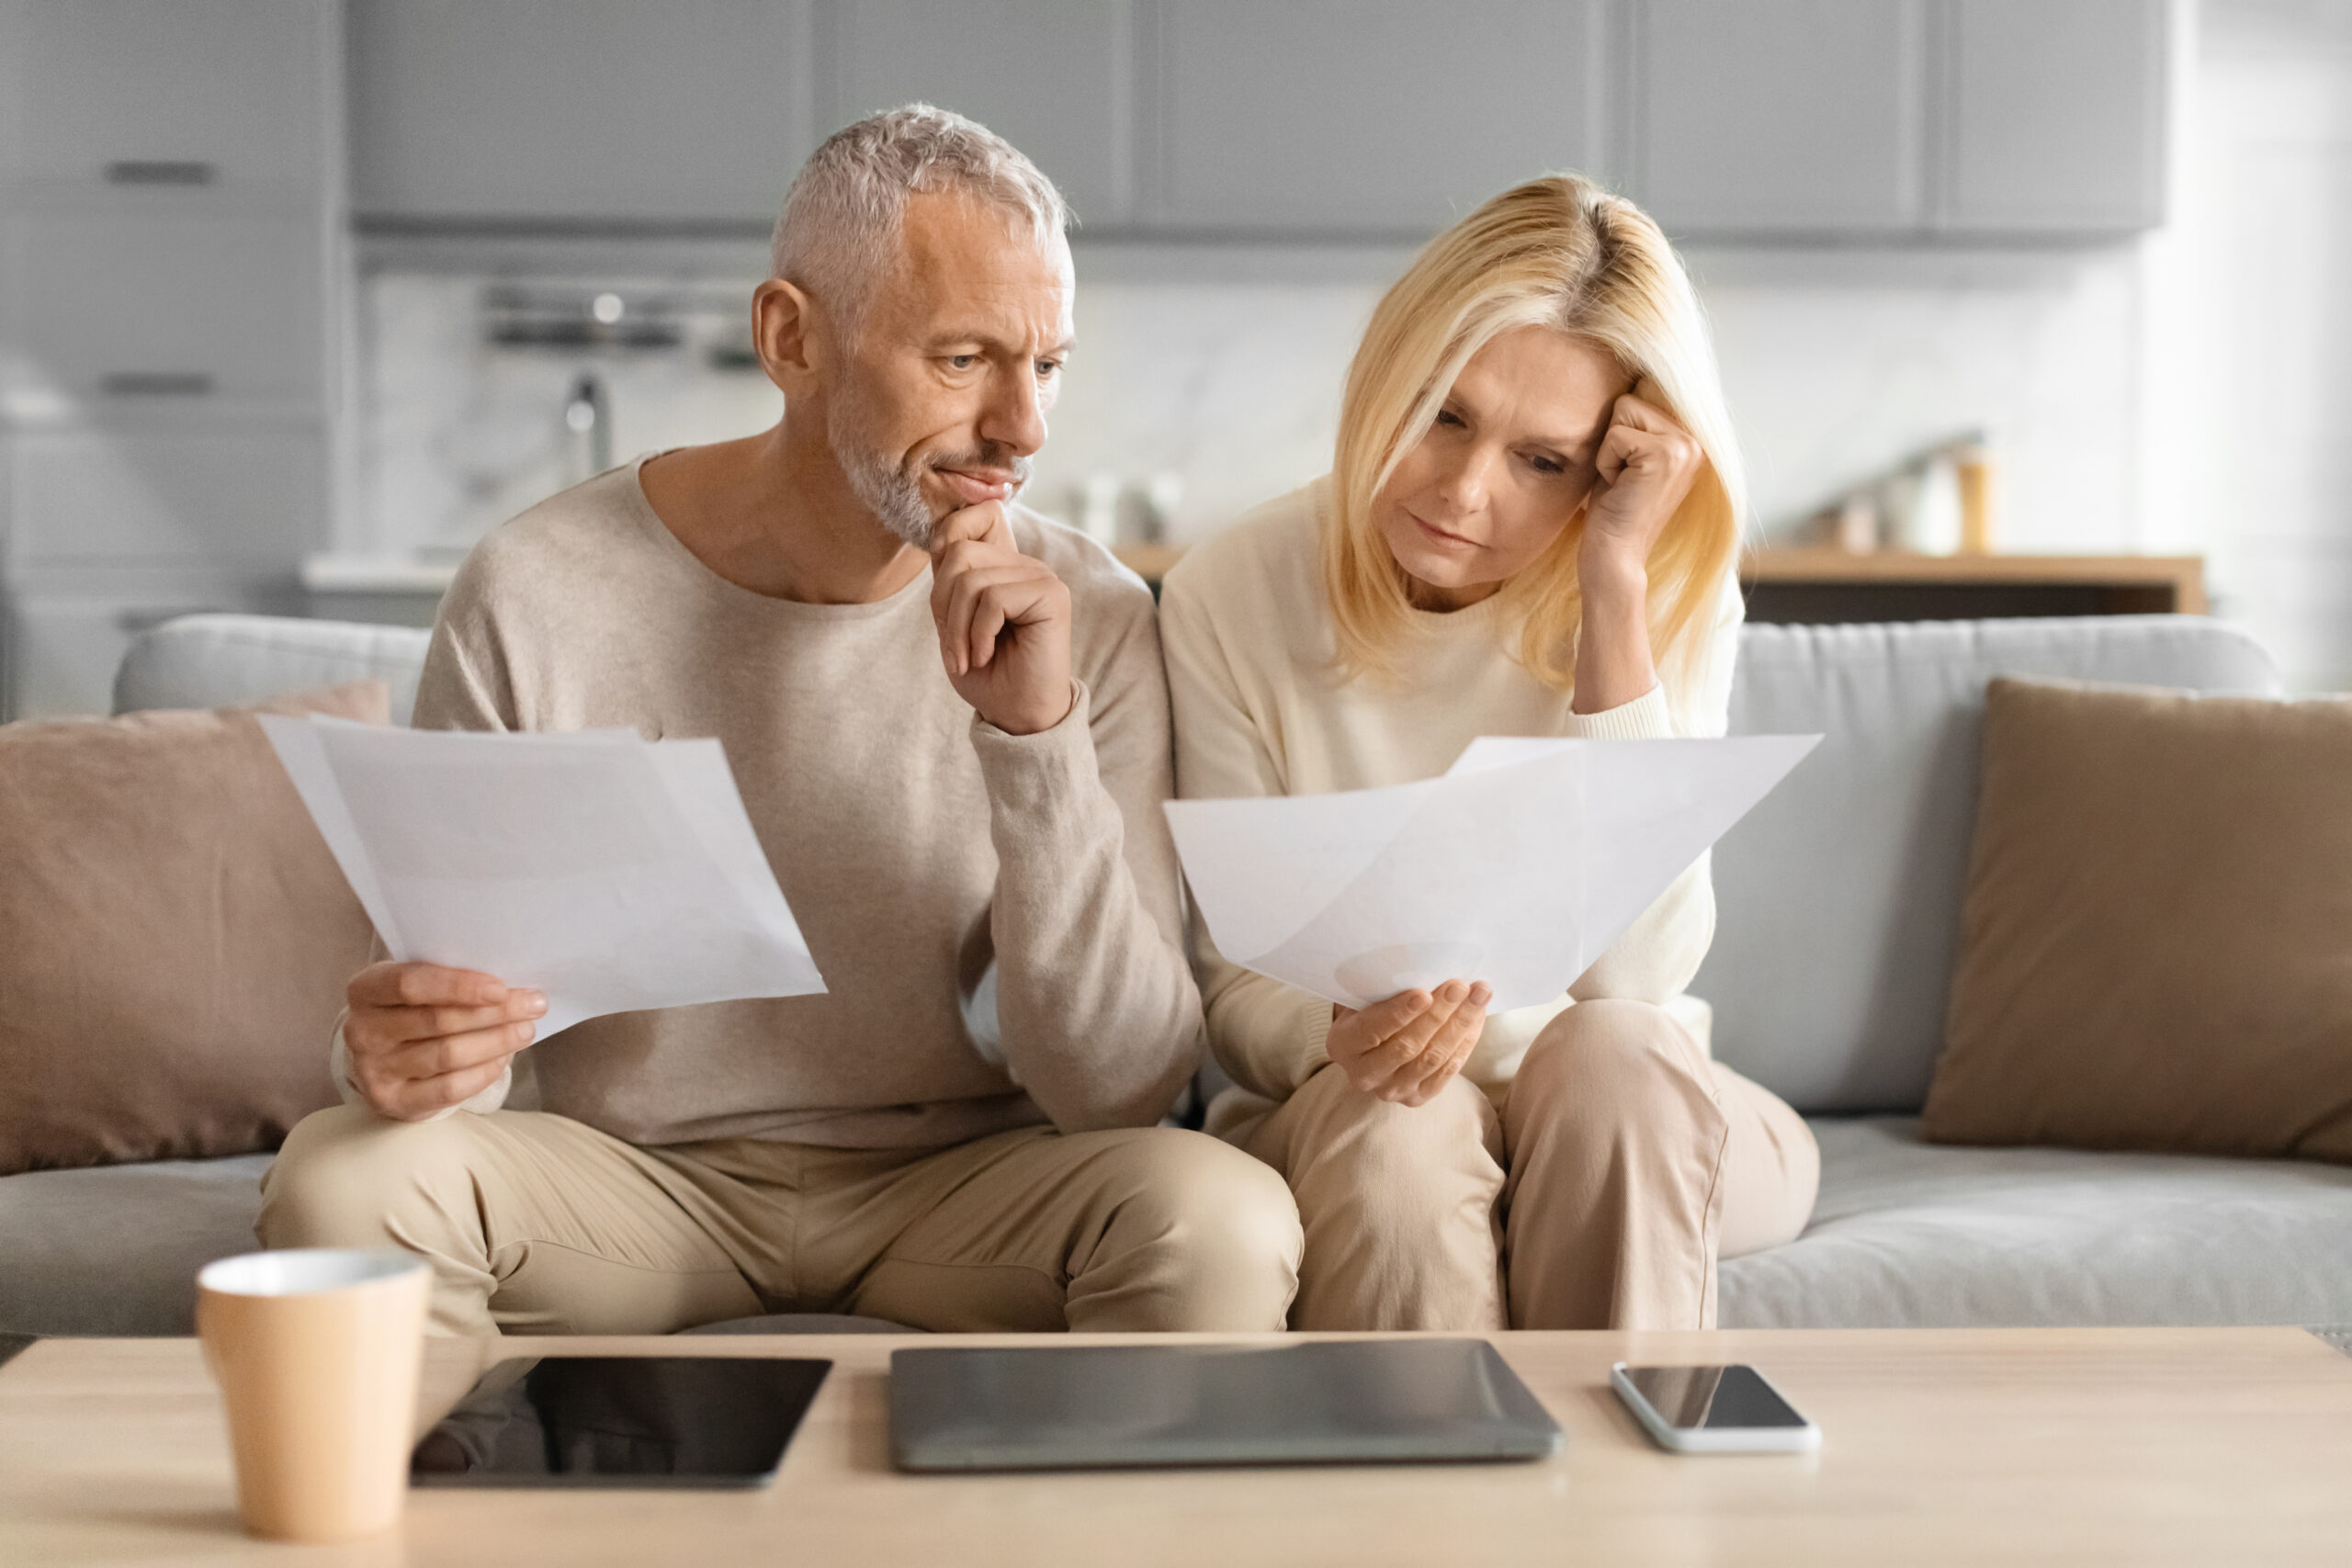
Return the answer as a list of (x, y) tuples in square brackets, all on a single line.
[(620, 1421)]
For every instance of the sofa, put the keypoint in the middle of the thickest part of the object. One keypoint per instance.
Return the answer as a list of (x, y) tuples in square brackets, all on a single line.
[(1838, 903)]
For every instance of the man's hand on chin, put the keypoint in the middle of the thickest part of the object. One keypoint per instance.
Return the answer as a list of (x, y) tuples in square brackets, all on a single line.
[(1003, 621)]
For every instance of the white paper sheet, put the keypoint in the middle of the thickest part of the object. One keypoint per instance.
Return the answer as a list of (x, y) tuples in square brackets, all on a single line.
[(610, 872), (1518, 867)]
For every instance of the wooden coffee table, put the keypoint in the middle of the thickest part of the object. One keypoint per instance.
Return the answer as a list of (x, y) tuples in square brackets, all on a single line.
[(1981, 1445)]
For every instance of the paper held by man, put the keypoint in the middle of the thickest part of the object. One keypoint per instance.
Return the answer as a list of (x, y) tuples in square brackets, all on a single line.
[(610, 872), (1518, 867)]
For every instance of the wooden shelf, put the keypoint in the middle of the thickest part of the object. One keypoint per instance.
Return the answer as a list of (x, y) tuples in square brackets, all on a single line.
[(1823, 584)]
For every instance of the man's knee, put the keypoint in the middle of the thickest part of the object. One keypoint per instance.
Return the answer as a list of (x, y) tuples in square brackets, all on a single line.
[(1615, 1061), (347, 1176), (1226, 1223)]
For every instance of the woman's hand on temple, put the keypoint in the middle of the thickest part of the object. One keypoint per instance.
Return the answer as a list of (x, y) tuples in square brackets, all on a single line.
[(1406, 1049), (1647, 464)]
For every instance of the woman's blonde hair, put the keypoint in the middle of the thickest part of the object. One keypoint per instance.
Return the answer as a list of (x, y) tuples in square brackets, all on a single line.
[(1558, 251)]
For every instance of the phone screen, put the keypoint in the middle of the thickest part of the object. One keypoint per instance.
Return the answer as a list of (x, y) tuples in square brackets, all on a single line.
[(1711, 1398)]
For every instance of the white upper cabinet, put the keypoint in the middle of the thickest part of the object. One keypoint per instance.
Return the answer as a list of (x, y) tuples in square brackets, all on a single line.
[(226, 95), (1360, 116), (1051, 77), (1779, 116), (2055, 116), (556, 111)]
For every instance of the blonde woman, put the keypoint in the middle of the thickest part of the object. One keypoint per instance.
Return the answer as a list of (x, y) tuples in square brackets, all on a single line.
[(1528, 529)]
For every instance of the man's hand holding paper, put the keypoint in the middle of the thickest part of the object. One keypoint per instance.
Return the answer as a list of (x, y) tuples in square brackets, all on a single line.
[(1517, 869), (424, 1037), (522, 883)]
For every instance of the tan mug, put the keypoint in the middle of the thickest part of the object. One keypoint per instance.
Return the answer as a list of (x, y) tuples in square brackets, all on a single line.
[(316, 1350)]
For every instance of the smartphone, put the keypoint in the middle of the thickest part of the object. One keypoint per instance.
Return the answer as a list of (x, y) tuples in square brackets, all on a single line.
[(1712, 1409)]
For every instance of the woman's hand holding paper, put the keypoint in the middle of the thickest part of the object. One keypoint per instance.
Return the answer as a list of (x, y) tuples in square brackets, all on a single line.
[(1406, 1049)]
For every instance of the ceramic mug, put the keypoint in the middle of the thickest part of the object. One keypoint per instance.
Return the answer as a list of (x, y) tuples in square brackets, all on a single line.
[(316, 1350)]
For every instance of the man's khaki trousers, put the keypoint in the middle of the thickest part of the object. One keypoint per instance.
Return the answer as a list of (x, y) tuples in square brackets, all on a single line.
[(536, 1223), (1622, 1164)]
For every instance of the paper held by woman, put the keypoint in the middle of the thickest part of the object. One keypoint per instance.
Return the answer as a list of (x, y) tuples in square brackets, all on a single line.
[(1518, 867)]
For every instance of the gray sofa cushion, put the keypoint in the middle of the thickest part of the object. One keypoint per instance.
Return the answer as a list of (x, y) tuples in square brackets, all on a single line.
[(1838, 898), (114, 1249), (210, 661), (1917, 1235)]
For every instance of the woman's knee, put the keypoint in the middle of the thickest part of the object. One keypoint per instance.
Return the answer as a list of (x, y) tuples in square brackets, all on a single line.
[(1390, 1176), (1613, 1060), (1378, 1140)]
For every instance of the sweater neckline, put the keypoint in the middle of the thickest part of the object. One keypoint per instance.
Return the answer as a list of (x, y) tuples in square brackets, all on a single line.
[(1485, 613), (734, 594)]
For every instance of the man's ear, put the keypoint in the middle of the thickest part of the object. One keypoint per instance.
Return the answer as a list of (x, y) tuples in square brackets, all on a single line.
[(789, 336)]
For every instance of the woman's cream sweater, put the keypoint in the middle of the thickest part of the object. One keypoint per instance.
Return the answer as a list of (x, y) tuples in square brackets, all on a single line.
[(1260, 711)]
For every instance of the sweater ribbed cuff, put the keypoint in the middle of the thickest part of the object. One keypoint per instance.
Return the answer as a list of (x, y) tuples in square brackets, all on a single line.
[(1030, 772), (1646, 717), (1317, 1034)]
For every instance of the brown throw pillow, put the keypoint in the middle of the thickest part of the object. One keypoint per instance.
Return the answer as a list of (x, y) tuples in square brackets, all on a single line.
[(2157, 946), (175, 938)]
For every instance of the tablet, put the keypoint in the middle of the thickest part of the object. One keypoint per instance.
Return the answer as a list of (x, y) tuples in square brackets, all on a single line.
[(683, 1421), (1111, 1406)]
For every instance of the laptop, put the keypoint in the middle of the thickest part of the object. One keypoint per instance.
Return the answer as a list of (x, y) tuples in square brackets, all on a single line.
[(1120, 1406)]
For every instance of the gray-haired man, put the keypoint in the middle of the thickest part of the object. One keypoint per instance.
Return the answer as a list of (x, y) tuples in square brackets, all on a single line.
[(949, 723)]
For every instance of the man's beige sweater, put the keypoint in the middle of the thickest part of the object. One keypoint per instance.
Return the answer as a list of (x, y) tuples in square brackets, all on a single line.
[(922, 849), (1261, 710)]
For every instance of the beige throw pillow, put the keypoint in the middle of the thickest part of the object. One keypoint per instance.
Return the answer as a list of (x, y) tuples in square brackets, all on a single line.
[(2156, 945), (175, 938)]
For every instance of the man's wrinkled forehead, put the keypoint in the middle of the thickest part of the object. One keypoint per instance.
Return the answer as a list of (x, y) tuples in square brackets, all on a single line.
[(961, 256)]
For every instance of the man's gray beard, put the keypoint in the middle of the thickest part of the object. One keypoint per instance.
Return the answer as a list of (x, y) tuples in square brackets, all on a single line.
[(892, 491)]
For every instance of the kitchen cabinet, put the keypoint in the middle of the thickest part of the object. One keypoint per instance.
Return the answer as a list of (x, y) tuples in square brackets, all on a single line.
[(2054, 115), (131, 307), (1832, 120), (1052, 76), (550, 112), (1898, 120), (172, 285), (130, 92), (1779, 115), (192, 496), (1371, 117)]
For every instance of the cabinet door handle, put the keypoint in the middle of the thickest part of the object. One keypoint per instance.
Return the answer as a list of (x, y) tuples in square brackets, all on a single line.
[(162, 171), (155, 384)]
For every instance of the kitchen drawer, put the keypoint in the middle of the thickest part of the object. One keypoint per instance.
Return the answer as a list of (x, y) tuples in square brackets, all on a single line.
[(63, 648), (156, 498), (136, 309), (226, 95)]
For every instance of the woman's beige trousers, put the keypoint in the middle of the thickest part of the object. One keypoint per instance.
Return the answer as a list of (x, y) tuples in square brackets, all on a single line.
[(1622, 1164)]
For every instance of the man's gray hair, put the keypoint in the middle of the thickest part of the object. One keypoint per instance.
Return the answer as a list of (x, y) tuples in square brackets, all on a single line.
[(837, 236)]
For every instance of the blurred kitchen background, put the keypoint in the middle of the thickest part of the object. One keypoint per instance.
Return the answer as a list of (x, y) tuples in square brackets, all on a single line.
[(298, 298)]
